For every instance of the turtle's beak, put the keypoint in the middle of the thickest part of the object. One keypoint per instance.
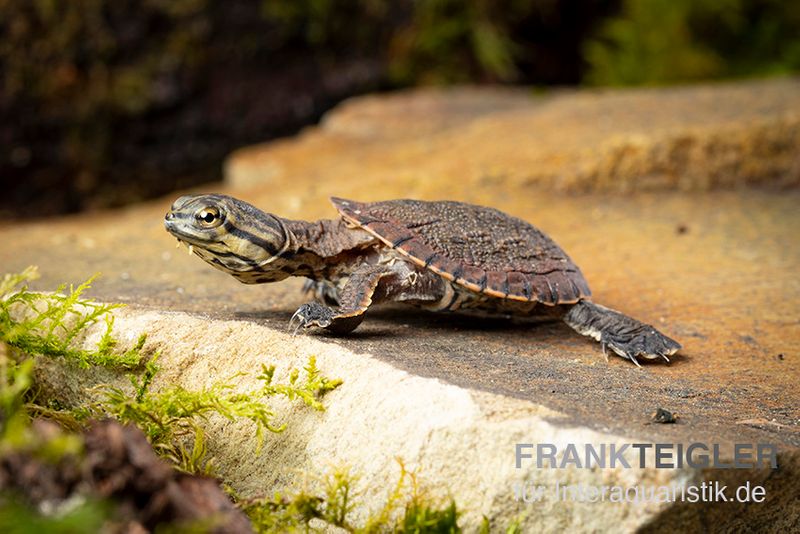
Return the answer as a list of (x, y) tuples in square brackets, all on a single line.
[(174, 223)]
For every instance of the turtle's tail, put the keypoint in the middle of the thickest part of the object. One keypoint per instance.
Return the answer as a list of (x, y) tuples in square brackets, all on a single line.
[(624, 335)]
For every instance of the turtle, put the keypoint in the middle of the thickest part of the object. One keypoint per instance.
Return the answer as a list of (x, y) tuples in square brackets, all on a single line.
[(437, 255)]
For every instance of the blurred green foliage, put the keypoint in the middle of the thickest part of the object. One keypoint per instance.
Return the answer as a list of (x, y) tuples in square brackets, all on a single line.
[(456, 41), (105, 102), (329, 24), (17, 517), (639, 42), (422, 42), (84, 64), (663, 41), (79, 52)]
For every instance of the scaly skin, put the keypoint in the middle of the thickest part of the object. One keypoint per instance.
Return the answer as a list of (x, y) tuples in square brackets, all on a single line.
[(443, 256)]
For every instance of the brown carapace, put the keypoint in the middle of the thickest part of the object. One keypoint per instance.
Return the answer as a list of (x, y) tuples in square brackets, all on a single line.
[(442, 256)]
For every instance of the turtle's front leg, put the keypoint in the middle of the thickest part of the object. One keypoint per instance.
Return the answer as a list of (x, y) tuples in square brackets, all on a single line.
[(354, 299)]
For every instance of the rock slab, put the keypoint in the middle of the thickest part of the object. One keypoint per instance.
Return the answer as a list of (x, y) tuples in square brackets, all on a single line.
[(452, 395), (694, 138)]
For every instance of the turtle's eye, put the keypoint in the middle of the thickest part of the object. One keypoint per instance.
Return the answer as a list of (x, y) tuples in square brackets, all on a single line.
[(208, 217)]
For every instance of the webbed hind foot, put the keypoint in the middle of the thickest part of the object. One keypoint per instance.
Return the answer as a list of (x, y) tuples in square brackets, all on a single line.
[(624, 335), (649, 344)]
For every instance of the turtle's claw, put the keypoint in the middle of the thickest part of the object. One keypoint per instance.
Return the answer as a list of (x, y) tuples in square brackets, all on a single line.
[(650, 345), (311, 314), (626, 350), (297, 315)]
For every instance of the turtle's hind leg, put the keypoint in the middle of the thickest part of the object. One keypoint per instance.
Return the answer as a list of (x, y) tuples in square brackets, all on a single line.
[(624, 335)]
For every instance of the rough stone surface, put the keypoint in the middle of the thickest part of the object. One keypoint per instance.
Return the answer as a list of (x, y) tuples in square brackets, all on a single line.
[(687, 138), (460, 441), (450, 394)]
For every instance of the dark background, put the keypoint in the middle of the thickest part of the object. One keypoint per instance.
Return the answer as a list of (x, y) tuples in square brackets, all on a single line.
[(107, 102)]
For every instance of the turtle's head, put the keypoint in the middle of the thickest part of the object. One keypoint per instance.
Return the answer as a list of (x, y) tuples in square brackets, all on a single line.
[(231, 235)]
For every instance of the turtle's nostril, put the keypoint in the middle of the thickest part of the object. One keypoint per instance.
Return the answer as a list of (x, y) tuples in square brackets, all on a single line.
[(169, 221)]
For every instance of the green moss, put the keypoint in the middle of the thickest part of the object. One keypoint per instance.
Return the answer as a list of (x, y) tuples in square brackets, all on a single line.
[(173, 417), (16, 435), (514, 526), (451, 41), (407, 509), (49, 324)]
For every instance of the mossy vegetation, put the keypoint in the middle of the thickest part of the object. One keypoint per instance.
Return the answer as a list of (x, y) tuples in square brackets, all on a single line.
[(34, 325), (17, 436), (50, 324), (407, 508), (174, 416)]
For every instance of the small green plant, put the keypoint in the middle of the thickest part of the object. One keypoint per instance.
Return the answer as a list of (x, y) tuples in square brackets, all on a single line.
[(16, 434), (407, 509), (173, 415), (172, 419), (449, 41), (49, 324), (514, 526)]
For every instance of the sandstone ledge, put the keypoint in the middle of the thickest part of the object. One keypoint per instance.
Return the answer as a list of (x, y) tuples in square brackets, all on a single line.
[(715, 270), (460, 441), (683, 138)]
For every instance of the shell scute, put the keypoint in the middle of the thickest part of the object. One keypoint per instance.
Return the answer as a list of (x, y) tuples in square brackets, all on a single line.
[(519, 284), (544, 290), (497, 283), (480, 248)]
